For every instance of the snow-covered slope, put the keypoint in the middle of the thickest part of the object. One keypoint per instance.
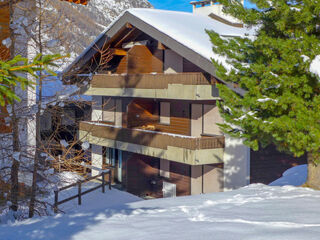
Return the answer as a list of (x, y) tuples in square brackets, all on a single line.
[(69, 28), (251, 213)]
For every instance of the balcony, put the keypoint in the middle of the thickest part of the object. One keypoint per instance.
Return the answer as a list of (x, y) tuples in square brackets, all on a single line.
[(185, 149), (186, 86)]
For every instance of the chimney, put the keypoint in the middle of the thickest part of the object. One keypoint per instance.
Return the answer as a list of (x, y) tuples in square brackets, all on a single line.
[(213, 9)]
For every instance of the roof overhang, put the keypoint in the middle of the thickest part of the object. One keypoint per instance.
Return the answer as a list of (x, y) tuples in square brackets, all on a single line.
[(147, 28)]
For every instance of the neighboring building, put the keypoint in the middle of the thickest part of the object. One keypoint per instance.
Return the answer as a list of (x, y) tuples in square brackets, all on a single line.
[(154, 117)]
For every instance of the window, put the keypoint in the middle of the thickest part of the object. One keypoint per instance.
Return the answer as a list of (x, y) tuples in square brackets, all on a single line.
[(109, 109), (165, 113)]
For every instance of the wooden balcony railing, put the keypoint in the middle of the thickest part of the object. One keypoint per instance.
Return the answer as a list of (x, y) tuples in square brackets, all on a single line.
[(150, 81), (151, 138)]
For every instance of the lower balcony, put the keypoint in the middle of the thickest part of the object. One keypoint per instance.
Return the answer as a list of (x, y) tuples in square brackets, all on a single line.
[(183, 86), (179, 148)]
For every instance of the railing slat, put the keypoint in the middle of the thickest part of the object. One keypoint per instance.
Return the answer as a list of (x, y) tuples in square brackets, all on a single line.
[(149, 81)]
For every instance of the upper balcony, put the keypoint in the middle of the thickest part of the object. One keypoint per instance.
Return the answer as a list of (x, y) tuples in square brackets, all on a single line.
[(180, 148), (184, 86)]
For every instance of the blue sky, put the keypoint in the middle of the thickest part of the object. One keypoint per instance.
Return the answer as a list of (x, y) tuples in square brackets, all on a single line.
[(180, 5)]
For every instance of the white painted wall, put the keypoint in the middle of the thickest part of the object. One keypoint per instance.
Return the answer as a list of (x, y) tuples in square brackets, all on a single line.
[(173, 63), (118, 121), (96, 158), (236, 164), (96, 108)]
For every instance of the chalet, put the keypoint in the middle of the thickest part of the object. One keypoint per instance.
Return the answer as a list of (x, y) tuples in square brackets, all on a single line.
[(154, 118)]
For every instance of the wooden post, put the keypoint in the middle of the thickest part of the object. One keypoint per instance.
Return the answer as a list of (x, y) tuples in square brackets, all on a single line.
[(103, 182), (110, 178), (55, 206), (79, 193)]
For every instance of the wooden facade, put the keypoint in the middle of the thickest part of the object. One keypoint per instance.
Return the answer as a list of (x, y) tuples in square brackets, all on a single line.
[(143, 176), (4, 31), (150, 81), (83, 2), (144, 63)]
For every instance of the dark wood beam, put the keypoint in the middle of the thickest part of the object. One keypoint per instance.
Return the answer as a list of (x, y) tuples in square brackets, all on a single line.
[(132, 34)]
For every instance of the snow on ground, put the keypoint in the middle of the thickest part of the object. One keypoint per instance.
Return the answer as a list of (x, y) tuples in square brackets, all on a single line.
[(295, 176), (254, 212)]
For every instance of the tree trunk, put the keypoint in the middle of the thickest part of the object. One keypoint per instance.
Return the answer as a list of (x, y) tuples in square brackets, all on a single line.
[(38, 132), (15, 164), (313, 179), (14, 179)]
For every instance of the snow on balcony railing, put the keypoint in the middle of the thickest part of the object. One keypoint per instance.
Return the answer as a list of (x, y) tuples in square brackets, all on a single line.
[(150, 81), (151, 138)]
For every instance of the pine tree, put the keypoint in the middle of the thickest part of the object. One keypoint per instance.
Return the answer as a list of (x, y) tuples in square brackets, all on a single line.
[(279, 71)]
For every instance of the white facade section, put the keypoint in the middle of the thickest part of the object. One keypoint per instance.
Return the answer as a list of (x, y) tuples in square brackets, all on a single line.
[(96, 108), (236, 164), (96, 159), (109, 109), (118, 121)]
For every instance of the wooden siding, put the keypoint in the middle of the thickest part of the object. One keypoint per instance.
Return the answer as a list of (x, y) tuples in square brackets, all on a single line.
[(83, 2), (141, 60), (180, 122), (149, 81), (180, 175), (122, 67), (143, 175), (143, 179), (267, 165), (4, 31), (142, 112), (151, 138)]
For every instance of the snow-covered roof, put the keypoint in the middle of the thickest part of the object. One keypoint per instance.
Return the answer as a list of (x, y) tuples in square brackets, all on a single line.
[(182, 32), (188, 29)]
